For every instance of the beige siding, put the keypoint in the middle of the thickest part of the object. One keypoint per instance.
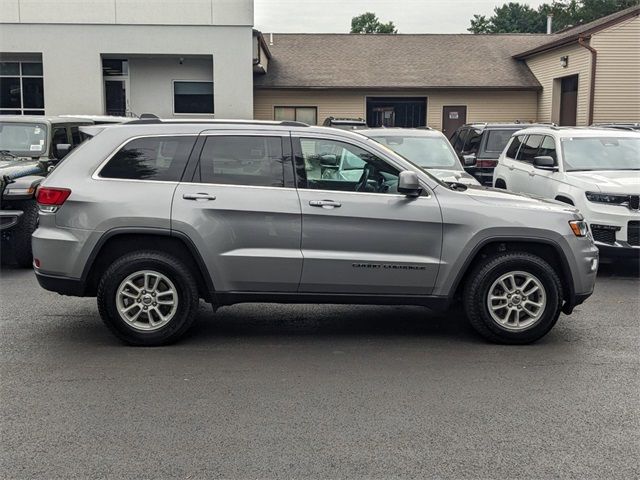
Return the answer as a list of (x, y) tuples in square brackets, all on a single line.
[(546, 67), (617, 95), (481, 105)]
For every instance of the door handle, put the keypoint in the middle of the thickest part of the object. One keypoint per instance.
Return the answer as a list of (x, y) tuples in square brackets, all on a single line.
[(532, 174), (325, 203), (510, 167), (198, 196)]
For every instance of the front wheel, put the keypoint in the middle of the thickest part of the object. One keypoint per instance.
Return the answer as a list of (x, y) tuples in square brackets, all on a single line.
[(148, 298), (513, 298)]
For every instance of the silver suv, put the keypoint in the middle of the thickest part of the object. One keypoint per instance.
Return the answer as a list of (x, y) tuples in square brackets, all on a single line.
[(153, 215)]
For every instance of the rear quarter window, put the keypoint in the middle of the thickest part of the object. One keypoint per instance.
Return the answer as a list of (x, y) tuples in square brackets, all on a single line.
[(150, 158), (497, 140), (512, 151)]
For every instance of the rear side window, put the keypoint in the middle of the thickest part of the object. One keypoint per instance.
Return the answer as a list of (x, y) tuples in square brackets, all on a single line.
[(529, 149), (515, 145), (497, 140), (548, 148), (151, 158), (242, 160)]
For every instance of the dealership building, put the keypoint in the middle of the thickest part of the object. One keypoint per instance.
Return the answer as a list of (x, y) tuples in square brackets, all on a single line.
[(202, 58), (169, 57)]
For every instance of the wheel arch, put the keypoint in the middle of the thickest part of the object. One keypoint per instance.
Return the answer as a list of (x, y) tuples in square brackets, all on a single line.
[(544, 248), (500, 183), (117, 242), (565, 199)]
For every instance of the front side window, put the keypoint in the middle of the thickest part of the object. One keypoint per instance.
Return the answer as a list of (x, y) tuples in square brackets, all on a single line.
[(21, 88), (307, 115), (23, 139), (600, 153), (426, 152), (529, 149), (548, 148), (150, 158), (334, 165), (461, 136), (242, 160), (193, 97)]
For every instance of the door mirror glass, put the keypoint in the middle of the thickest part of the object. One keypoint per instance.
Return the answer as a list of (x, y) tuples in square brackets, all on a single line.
[(469, 160), (329, 160), (61, 150), (545, 163), (408, 184)]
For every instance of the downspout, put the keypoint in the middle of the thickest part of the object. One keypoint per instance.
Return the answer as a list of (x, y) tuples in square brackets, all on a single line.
[(592, 89)]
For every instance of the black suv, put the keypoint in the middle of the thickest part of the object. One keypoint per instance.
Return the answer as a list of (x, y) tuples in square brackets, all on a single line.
[(482, 144)]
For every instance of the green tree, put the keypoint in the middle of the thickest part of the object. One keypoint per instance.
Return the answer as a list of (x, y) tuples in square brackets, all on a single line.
[(369, 23), (518, 18)]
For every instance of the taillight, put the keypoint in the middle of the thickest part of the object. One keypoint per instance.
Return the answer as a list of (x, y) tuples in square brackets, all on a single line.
[(486, 163), (49, 199)]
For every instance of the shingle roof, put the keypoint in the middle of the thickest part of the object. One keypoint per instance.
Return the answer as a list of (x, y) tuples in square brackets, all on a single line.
[(572, 34), (399, 61)]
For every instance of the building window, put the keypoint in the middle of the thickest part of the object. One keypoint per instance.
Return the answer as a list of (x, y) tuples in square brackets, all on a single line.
[(21, 88), (193, 97), (297, 114)]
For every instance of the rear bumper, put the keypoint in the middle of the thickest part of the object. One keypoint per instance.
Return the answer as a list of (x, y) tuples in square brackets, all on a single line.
[(73, 287), (484, 175)]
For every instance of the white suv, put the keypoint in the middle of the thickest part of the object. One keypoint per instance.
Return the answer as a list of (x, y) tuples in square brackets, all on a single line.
[(595, 169)]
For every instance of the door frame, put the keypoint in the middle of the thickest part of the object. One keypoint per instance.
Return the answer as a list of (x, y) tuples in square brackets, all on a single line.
[(117, 78)]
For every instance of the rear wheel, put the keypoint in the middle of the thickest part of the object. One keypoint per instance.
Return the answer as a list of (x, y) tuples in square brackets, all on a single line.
[(513, 298), (500, 184), (148, 298)]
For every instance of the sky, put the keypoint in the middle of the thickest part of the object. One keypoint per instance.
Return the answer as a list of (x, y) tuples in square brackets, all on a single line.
[(409, 16)]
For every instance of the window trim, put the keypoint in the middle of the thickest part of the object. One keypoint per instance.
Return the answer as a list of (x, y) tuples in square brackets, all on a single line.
[(20, 76), (98, 170), (315, 107), (173, 97)]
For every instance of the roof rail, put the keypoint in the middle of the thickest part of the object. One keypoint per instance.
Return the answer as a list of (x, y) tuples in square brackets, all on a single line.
[(157, 121)]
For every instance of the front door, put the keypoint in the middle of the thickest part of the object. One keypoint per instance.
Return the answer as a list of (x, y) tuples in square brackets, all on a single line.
[(359, 234), (242, 211), (453, 118), (115, 92), (569, 100)]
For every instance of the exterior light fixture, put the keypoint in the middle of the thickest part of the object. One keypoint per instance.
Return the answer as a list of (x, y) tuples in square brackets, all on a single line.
[(564, 61)]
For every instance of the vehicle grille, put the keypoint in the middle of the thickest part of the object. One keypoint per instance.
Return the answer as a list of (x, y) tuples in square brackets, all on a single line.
[(604, 235), (633, 233)]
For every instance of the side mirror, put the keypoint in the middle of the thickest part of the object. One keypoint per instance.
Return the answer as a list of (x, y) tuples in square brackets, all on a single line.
[(62, 150), (329, 160), (545, 163), (408, 184), (469, 160)]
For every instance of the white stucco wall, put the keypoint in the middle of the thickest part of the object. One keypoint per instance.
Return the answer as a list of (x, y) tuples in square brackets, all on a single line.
[(71, 56), (156, 12)]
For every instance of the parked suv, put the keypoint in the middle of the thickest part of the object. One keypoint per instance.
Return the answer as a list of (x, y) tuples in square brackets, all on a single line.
[(29, 147), (480, 144), (595, 169), (152, 215)]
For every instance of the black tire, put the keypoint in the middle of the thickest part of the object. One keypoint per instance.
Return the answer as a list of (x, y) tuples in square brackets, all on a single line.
[(165, 264), (21, 235), (489, 270)]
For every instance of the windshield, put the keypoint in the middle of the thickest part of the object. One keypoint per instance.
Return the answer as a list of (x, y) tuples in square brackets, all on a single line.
[(426, 152), (23, 139), (601, 153)]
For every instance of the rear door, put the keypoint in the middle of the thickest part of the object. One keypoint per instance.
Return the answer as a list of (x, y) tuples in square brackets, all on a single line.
[(359, 234), (241, 209)]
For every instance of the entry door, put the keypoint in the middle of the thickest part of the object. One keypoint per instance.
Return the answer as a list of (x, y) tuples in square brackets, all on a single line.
[(241, 212), (569, 100), (115, 92), (453, 118), (359, 234)]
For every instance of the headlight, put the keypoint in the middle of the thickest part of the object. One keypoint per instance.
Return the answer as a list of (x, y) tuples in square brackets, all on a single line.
[(609, 198), (579, 228)]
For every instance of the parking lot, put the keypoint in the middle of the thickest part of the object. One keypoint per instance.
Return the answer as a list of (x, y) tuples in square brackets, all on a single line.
[(318, 392)]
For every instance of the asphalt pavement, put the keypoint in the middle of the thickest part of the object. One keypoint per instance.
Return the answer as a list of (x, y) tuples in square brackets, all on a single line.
[(276, 391)]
